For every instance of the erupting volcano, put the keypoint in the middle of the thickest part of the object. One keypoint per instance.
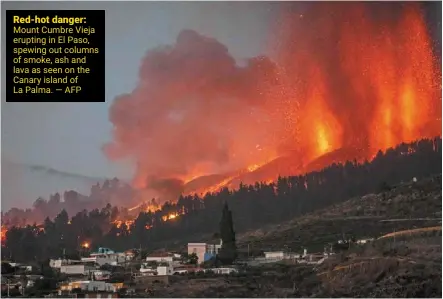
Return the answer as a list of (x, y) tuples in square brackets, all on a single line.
[(342, 82)]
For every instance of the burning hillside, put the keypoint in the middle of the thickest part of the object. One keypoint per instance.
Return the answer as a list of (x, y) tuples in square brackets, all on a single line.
[(345, 80)]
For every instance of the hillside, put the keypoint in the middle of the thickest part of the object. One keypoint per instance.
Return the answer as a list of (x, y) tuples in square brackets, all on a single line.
[(406, 206), (262, 207), (402, 261), (40, 181)]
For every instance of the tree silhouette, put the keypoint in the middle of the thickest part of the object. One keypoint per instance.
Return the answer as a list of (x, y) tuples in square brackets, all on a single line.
[(252, 205), (228, 251), (193, 259)]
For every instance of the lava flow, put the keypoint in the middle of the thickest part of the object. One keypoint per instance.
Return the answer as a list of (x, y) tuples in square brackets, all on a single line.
[(345, 81)]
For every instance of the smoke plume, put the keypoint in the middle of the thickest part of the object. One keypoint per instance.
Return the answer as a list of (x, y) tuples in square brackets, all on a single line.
[(354, 75), (193, 112)]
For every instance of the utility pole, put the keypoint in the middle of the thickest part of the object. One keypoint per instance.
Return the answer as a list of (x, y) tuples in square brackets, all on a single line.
[(248, 250)]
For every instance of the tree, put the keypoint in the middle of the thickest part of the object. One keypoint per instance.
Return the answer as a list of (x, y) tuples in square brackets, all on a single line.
[(184, 257), (153, 264), (46, 270), (228, 251), (61, 220), (193, 259)]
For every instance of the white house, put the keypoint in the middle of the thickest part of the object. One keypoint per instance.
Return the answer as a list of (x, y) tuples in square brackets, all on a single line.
[(101, 260), (27, 268), (146, 270), (160, 270), (213, 248), (77, 269), (60, 262), (160, 257), (274, 255), (164, 270), (103, 250), (108, 256), (224, 270), (364, 241), (72, 266), (281, 255)]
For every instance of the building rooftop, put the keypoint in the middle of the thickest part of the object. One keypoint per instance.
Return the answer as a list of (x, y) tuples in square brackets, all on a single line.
[(160, 254)]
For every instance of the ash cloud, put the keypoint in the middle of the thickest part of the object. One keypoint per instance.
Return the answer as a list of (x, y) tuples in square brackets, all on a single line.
[(192, 108)]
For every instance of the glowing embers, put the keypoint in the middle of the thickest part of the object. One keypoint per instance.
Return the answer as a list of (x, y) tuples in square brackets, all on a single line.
[(128, 223), (394, 74), (4, 230), (170, 216)]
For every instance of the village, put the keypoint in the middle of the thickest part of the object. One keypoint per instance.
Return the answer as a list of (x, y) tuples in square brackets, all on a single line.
[(109, 274)]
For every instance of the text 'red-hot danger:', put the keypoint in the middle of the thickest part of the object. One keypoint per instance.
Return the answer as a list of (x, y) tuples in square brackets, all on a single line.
[(55, 56)]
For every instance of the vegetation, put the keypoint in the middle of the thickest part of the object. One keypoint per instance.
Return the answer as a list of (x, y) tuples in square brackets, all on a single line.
[(410, 268), (189, 259), (403, 260), (253, 207), (400, 265), (228, 251), (405, 207)]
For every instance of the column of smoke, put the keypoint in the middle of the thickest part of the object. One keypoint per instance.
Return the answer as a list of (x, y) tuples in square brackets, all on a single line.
[(193, 112), (359, 75)]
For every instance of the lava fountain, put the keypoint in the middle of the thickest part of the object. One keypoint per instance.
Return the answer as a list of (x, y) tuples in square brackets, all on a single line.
[(354, 76), (372, 68)]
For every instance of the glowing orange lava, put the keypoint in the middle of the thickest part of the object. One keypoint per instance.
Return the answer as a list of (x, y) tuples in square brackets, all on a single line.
[(3, 232), (349, 80), (217, 187), (321, 131), (393, 68), (119, 223), (170, 216)]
